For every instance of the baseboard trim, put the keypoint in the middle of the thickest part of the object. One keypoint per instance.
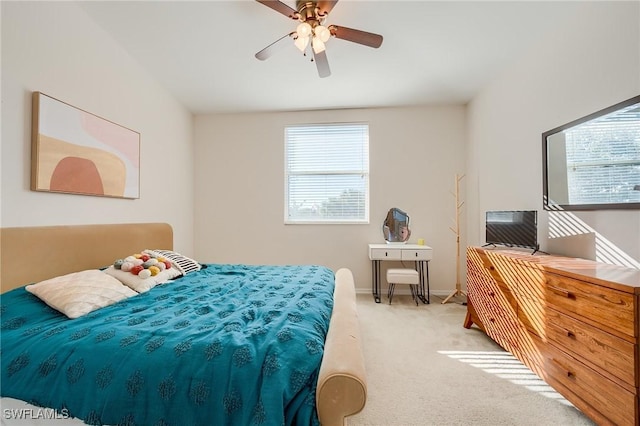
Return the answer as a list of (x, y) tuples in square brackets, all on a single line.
[(383, 292)]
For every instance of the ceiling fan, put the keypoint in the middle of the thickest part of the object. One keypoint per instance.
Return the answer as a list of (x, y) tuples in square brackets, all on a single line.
[(312, 33)]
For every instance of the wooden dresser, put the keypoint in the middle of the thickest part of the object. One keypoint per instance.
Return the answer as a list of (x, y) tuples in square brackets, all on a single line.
[(574, 322)]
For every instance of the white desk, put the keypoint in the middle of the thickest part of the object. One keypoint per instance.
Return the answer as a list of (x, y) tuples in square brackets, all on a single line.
[(420, 255)]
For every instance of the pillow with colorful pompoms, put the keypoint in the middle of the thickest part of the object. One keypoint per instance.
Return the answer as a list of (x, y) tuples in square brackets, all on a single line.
[(143, 271)]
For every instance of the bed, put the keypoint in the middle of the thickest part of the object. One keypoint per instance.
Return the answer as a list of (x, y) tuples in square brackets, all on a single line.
[(218, 345)]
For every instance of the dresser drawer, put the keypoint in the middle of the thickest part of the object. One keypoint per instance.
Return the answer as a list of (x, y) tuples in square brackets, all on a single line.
[(612, 401), (511, 272), (491, 293), (416, 254), (475, 266), (594, 303), (495, 306), (384, 254), (605, 351)]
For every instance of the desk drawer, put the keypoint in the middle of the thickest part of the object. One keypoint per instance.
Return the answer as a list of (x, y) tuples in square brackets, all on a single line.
[(416, 254), (385, 254)]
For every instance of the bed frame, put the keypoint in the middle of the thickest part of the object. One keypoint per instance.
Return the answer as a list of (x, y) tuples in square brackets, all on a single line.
[(32, 254)]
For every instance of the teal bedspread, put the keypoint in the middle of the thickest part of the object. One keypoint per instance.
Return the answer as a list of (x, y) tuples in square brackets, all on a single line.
[(228, 345)]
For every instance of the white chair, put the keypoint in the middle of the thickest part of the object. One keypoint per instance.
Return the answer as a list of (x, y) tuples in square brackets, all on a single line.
[(403, 276)]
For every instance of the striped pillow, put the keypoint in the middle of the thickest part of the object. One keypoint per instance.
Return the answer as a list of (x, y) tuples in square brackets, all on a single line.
[(184, 264)]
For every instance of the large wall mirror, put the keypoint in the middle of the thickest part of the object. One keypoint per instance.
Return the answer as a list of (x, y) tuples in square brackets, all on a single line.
[(593, 163)]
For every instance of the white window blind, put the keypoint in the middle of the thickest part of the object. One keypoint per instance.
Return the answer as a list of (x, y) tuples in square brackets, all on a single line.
[(327, 173), (603, 159)]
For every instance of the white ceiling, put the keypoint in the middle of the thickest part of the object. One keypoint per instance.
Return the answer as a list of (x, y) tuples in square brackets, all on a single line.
[(433, 52)]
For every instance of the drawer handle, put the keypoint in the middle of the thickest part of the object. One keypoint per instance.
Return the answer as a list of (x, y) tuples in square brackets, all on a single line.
[(570, 374), (562, 292), (570, 334)]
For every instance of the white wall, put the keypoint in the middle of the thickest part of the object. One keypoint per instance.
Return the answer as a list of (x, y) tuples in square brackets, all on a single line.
[(588, 64), (55, 48), (239, 208)]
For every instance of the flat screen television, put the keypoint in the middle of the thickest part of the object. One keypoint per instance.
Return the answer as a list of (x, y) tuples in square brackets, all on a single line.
[(513, 228)]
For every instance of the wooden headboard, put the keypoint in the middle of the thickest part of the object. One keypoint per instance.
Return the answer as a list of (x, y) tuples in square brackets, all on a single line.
[(31, 254)]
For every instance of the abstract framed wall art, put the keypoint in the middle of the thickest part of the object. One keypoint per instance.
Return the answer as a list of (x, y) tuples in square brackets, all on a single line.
[(76, 152)]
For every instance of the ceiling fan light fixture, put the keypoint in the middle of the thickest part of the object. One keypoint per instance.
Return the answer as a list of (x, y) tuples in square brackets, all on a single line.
[(322, 33), (317, 44), (301, 43), (311, 33), (304, 30)]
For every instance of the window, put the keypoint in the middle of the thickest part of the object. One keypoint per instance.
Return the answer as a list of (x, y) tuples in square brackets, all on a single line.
[(327, 173)]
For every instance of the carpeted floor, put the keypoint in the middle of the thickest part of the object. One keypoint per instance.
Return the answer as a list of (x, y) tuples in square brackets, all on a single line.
[(425, 368)]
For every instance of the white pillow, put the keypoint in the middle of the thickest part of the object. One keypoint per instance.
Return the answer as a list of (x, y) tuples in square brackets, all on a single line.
[(142, 284), (79, 293)]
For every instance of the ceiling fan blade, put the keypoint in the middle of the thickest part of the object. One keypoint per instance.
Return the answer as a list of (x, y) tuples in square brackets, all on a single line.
[(356, 36), (322, 63), (273, 47), (325, 6), (280, 7)]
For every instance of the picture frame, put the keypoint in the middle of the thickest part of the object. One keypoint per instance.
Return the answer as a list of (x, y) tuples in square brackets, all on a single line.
[(76, 152)]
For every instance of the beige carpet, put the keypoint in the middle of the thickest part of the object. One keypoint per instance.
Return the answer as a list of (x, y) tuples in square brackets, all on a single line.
[(425, 368)]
